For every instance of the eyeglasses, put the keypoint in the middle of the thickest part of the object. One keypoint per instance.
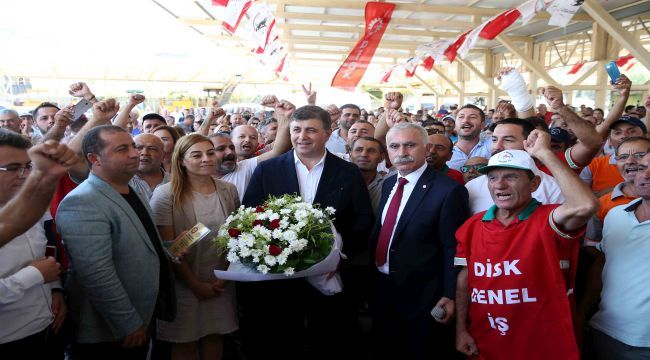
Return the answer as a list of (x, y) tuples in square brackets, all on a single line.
[(636, 156), (19, 169), (467, 168)]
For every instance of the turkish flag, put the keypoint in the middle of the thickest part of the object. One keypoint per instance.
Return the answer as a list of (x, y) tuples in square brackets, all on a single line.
[(428, 63), (234, 12), (576, 67), (410, 66), (497, 24), (351, 71), (452, 50), (624, 60)]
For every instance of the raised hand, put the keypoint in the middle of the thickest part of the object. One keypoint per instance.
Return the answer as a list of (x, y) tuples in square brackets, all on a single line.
[(393, 100), (215, 113), (503, 71), (394, 117), (505, 110), (553, 96), (284, 109), (80, 89), (63, 117), (52, 158), (310, 94), (105, 110), (136, 99), (623, 85), (269, 101), (537, 142), (334, 111)]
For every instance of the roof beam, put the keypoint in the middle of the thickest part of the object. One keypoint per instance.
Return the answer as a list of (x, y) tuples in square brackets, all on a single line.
[(533, 66), (479, 74), (426, 85), (445, 78), (615, 30)]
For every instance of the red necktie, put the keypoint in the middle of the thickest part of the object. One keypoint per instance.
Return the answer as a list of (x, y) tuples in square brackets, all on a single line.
[(389, 224)]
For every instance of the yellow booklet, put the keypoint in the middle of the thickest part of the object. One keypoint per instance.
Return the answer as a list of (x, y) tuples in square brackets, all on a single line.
[(187, 239)]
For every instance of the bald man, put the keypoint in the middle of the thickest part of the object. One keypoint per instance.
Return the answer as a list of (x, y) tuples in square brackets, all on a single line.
[(150, 173), (439, 151), (246, 140)]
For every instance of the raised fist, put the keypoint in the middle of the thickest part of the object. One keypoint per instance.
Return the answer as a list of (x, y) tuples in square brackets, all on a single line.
[(334, 111), (284, 109), (80, 89), (105, 110), (136, 99), (393, 100), (63, 117), (269, 101), (553, 96)]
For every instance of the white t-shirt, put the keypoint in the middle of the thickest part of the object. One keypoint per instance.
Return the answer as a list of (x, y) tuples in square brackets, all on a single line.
[(480, 199), (242, 175), (624, 307)]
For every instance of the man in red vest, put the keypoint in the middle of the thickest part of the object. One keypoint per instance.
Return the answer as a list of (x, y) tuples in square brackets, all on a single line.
[(514, 294)]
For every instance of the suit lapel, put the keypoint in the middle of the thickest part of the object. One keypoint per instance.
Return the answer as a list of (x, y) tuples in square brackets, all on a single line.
[(289, 178), (116, 198), (330, 172), (423, 185)]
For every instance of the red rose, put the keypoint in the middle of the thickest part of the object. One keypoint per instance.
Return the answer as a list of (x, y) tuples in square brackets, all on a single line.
[(259, 209), (258, 222), (274, 224), (274, 250), (233, 232)]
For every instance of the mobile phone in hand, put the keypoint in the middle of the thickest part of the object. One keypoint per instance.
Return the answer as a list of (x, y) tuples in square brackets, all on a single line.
[(613, 71), (50, 250), (80, 108)]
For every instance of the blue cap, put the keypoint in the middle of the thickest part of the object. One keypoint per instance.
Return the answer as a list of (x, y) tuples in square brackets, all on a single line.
[(630, 120), (561, 135)]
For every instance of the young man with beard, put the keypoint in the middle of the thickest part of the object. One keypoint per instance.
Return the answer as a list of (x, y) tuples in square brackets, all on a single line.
[(438, 153), (150, 173), (350, 114), (469, 124), (621, 331), (43, 120), (518, 261), (239, 173)]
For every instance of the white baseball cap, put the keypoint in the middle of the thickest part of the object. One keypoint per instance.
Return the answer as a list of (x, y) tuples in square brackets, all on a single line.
[(513, 159)]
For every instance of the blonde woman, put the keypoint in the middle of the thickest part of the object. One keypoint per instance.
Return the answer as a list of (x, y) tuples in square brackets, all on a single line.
[(206, 305)]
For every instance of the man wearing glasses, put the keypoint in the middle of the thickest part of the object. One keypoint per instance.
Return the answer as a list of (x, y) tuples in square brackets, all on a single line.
[(32, 309), (472, 167)]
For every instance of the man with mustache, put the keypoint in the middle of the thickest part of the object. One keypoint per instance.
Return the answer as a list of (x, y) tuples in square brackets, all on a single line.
[(240, 173), (150, 173), (413, 248)]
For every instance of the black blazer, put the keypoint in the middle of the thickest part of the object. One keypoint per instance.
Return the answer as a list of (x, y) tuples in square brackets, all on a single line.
[(424, 244), (341, 186)]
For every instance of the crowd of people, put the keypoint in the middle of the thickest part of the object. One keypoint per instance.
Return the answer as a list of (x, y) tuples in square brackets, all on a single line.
[(506, 233)]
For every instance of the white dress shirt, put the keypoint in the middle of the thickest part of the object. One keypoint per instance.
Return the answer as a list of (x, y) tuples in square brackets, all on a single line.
[(308, 179), (25, 300), (408, 189), (242, 175)]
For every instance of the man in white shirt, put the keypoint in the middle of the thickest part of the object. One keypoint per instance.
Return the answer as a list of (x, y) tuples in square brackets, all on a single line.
[(150, 173), (239, 173), (350, 114), (32, 306)]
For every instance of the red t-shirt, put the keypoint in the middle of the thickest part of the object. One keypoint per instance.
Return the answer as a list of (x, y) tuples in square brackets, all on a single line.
[(520, 279), (454, 174)]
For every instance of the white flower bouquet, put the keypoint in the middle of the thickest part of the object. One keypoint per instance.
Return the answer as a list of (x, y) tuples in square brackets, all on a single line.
[(282, 238)]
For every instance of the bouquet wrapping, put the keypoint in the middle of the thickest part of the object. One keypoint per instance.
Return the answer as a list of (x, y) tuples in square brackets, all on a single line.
[(282, 238)]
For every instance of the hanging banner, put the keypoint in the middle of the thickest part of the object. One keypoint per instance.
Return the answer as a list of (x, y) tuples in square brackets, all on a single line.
[(261, 24), (354, 67), (233, 13), (562, 11)]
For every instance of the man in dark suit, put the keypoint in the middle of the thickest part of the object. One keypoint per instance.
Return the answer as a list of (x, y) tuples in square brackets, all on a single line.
[(272, 314), (413, 245)]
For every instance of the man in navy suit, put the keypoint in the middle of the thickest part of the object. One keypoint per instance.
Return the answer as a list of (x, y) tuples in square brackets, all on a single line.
[(272, 314), (413, 246)]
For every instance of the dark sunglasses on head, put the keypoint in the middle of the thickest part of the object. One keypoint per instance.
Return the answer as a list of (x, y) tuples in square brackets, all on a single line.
[(467, 168)]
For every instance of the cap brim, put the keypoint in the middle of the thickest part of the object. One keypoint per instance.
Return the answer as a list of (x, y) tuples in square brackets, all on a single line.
[(486, 169)]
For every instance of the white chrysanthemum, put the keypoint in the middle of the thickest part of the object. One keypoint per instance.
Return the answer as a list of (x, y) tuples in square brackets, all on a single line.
[(257, 253), (274, 216), (321, 221), (282, 258), (330, 210), (232, 257), (277, 234), (233, 244), (298, 199), (261, 216), (270, 260), (290, 235), (244, 252), (223, 232), (256, 260), (285, 211), (246, 240), (263, 268), (288, 271), (284, 223), (317, 213)]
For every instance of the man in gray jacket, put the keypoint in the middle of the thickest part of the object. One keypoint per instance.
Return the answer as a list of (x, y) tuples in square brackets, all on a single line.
[(120, 278)]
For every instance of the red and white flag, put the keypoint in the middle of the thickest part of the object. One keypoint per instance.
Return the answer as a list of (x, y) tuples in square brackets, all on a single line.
[(410, 66), (385, 75), (452, 50), (529, 9), (233, 13), (427, 63), (497, 24), (355, 65), (576, 67), (562, 11), (261, 24), (624, 60), (435, 49)]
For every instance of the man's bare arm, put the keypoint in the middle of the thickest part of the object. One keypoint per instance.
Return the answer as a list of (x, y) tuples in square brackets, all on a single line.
[(51, 160), (124, 116), (623, 85), (283, 112)]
